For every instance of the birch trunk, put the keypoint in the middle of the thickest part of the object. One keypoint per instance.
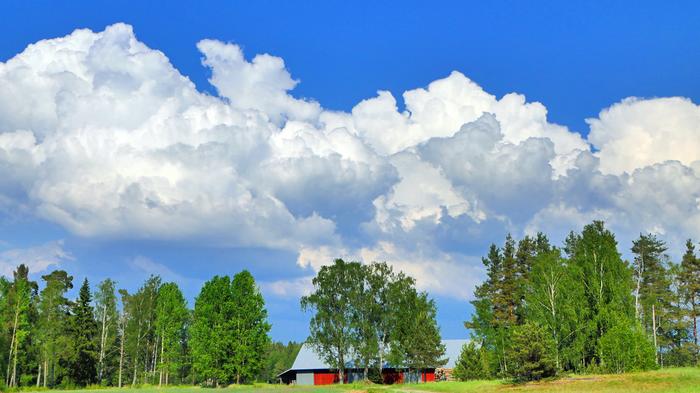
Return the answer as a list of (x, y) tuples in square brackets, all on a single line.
[(121, 358), (12, 346), (103, 340), (653, 322), (162, 350)]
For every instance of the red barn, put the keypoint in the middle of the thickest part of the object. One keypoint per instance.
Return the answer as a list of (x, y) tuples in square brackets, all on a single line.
[(310, 369)]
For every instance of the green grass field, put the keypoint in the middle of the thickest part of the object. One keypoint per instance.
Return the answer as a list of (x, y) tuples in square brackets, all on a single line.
[(680, 380)]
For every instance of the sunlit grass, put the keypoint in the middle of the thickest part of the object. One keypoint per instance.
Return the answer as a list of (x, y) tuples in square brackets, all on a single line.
[(677, 380)]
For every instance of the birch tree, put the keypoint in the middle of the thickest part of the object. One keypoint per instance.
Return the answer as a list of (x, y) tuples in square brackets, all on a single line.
[(107, 319), (170, 322)]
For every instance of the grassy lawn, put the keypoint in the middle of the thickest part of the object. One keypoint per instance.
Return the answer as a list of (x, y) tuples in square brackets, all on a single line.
[(680, 380)]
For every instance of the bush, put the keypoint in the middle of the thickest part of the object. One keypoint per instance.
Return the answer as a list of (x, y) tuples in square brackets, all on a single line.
[(471, 364), (532, 353), (626, 348)]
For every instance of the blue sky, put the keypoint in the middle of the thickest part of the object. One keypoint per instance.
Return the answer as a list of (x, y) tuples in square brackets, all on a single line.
[(292, 188)]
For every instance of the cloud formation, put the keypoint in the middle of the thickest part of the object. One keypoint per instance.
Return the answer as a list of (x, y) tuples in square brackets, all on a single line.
[(38, 259), (102, 135)]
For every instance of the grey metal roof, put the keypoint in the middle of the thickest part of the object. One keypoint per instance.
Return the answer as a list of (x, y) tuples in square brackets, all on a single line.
[(307, 359)]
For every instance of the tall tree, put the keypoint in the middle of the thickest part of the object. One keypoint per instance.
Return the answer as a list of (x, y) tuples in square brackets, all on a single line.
[(107, 318), (487, 325), (171, 319), (690, 288), (20, 298), (251, 327), (83, 369), (382, 309), (53, 313), (549, 300), (211, 337), (331, 328), (417, 343), (606, 278)]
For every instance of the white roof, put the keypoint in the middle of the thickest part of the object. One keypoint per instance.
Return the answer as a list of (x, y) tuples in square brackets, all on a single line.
[(307, 359)]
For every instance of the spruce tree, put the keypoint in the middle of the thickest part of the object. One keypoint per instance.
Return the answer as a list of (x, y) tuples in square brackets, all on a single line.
[(83, 369), (470, 364)]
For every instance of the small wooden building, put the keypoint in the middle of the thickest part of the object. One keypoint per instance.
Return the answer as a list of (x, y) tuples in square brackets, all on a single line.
[(310, 369)]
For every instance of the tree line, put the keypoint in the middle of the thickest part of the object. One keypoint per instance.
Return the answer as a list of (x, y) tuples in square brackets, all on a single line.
[(582, 308), (368, 315), (115, 338)]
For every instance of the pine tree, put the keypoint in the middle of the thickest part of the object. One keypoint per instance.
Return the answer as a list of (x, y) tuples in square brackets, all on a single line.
[(532, 353), (486, 323), (653, 294), (52, 329), (83, 369), (690, 289), (470, 364)]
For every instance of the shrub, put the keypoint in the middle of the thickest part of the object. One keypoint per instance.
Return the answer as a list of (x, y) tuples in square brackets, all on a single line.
[(471, 364), (624, 348), (532, 353)]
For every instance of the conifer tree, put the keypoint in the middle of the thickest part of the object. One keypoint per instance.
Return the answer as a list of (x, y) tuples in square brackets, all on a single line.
[(52, 327), (653, 296), (470, 364), (83, 369), (690, 289)]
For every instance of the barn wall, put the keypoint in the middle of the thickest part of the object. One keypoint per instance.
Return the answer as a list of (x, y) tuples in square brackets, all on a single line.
[(306, 378), (325, 378)]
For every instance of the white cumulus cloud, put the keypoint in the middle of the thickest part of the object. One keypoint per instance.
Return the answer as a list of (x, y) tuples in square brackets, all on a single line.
[(102, 135)]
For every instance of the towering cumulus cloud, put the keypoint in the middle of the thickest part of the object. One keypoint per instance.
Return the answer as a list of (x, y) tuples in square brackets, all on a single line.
[(102, 135)]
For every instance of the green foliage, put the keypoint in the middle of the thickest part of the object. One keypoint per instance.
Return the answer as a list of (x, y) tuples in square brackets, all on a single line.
[(83, 329), (624, 349), (170, 323), (606, 287), (52, 329), (229, 330), (532, 353), (471, 364), (278, 357), (364, 310), (331, 329), (417, 343), (107, 316)]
